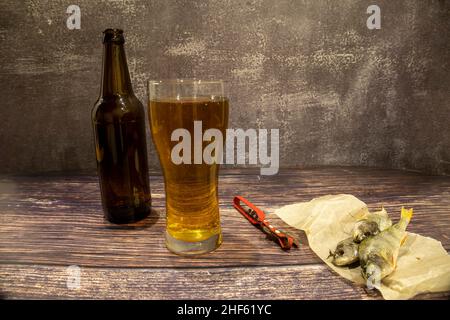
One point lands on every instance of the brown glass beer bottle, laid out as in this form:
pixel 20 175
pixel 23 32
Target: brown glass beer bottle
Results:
pixel 120 145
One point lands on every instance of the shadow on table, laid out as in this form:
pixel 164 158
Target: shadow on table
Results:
pixel 152 219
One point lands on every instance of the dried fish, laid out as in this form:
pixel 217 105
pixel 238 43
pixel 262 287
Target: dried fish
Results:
pixel 346 253
pixel 378 254
pixel 372 224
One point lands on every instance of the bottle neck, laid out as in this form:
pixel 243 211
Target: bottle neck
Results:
pixel 116 78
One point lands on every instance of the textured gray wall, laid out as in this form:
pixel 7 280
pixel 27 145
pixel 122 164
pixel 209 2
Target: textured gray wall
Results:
pixel 339 93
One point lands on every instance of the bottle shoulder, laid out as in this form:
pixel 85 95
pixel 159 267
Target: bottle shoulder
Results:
pixel 114 108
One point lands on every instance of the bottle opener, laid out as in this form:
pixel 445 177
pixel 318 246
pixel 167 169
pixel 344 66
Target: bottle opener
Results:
pixel 257 217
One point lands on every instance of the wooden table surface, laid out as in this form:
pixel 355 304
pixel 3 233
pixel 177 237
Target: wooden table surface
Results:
pixel 48 223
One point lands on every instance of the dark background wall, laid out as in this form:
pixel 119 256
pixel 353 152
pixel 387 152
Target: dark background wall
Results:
pixel 339 93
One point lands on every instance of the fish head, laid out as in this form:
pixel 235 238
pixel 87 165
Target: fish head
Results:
pixel 344 260
pixel 364 229
pixel 346 253
pixel 372 273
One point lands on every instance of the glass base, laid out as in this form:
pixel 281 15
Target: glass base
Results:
pixel 193 248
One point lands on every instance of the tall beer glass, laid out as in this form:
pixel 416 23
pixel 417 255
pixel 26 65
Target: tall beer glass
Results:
pixel 182 114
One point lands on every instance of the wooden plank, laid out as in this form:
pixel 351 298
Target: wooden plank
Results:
pixel 58 220
pixel 293 282
pixel 82 237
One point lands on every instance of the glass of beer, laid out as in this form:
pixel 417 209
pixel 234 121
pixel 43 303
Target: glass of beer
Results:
pixel 188 121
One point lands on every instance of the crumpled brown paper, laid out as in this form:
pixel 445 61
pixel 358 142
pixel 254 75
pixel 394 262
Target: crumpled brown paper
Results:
pixel 423 265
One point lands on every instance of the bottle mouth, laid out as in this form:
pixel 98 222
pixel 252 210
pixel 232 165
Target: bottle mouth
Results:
pixel 113 35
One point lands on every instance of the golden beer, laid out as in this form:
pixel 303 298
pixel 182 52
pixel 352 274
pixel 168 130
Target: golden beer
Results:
pixel 192 205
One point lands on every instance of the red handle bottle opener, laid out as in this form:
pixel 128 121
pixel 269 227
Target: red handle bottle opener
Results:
pixel 257 217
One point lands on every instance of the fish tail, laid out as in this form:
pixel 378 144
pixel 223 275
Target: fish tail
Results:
pixel 407 214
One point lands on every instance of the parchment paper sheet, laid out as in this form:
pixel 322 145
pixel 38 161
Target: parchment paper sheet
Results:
pixel 423 264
